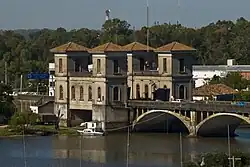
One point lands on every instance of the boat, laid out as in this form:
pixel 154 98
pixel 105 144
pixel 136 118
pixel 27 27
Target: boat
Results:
pixel 90 129
pixel 90 132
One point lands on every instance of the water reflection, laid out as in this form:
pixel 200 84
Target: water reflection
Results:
pixel 145 150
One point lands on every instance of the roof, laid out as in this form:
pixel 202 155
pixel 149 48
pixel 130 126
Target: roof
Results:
pixel 174 46
pixel 69 47
pixel 137 46
pixel 213 90
pixel 233 68
pixel 107 47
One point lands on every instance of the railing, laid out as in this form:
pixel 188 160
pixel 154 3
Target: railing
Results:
pixel 213 107
pixel 147 72
pixel 80 74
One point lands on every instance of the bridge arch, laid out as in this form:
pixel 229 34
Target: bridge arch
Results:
pixel 153 117
pixel 217 124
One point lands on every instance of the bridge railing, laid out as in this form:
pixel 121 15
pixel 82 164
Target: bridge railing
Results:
pixel 213 107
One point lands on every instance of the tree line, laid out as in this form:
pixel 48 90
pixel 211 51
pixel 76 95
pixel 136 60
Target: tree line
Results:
pixel 22 52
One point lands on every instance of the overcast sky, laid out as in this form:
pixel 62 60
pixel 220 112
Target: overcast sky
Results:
pixel 70 14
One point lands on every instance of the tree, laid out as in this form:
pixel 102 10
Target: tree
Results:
pixel 24 119
pixel 233 80
pixel 7 107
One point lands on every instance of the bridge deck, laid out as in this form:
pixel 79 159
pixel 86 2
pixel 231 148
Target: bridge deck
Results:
pixel 194 106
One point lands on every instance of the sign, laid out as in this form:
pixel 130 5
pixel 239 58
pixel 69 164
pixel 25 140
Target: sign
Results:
pixel 38 76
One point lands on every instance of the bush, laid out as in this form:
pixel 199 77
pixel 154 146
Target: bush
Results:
pixel 24 120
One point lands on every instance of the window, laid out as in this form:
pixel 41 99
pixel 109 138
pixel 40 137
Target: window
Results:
pixel 60 66
pixel 60 92
pixel 165 87
pixel 181 92
pixel 90 93
pixel 137 91
pixel 116 93
pixel 73 93
pixel 146 91
pixel 81 93
pixel 142 64
pixel 182 65
pixel 98 66
pixel 99 93
pixel 164 64
pixel 154 87
pixel 116 67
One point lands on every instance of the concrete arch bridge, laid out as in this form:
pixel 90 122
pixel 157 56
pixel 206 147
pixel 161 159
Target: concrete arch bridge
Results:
pixel 194 123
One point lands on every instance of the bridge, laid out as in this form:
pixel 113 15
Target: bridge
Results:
pixel 193 118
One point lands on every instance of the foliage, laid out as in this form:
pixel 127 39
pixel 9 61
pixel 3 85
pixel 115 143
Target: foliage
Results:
pixel 24 119
pixel 233 80
pixel 220 159
pixel 6 106
pixel 28 51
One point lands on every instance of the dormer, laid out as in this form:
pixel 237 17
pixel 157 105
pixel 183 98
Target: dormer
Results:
pixel 109 59
pixel 68 58
pixel 175 59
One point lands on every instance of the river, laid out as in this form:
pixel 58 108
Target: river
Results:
pixel 146 149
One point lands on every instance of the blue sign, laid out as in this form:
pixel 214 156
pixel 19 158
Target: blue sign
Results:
pixel 38 76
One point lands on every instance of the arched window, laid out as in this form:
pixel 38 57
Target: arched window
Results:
pixel 181 92
pixel 73 93
pixel 99 93
pixel 116 93
pixel 60 66
pixel 60 92
pixel 146 91
pixel 81 93
pixel 165 87
pixel 90 93
pixel 137 91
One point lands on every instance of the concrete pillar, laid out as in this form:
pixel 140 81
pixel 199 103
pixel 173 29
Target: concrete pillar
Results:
pixel 137 113
pixel 207 114
pixel 202 117
pixel 193 123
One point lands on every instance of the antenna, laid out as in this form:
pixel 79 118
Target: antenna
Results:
pixel 147 25
pixel 178 10
pixel 107 14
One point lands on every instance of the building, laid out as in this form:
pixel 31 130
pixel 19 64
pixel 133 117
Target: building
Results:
pixel 203 73
pixel 95 84
pixel 51 79
pixel 213 92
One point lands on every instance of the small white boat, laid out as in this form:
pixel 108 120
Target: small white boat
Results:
pixel 90 132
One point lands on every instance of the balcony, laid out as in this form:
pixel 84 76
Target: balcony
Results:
pixel 145 73
pixel 80 74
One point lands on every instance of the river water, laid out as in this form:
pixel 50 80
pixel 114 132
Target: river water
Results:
pixel 146 149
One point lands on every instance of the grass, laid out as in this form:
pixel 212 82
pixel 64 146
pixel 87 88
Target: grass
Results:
pixel 38 130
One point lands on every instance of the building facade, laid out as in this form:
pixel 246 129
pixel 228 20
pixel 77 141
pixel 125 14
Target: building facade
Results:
pixel 51 79
pixel 204 73
pixel 95 84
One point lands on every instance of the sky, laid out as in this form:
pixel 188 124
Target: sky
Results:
pixel 74 14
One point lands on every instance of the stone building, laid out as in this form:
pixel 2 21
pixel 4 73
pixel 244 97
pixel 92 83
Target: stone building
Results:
pixel 118 73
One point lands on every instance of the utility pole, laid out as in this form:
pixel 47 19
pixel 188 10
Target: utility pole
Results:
pixel 181 150
pixel 5 73
pixel 229 143
pixel 21 83
pixel 147 25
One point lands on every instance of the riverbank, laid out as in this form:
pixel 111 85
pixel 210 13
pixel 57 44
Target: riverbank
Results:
pixel 37 130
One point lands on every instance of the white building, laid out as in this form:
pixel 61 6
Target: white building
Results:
pixel 51 79
pixel 203 73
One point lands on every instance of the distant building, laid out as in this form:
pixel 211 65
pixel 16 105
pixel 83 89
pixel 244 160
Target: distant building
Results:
pixel 213 92
pixel 51 79
pixel 203 73
pixel 95 84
